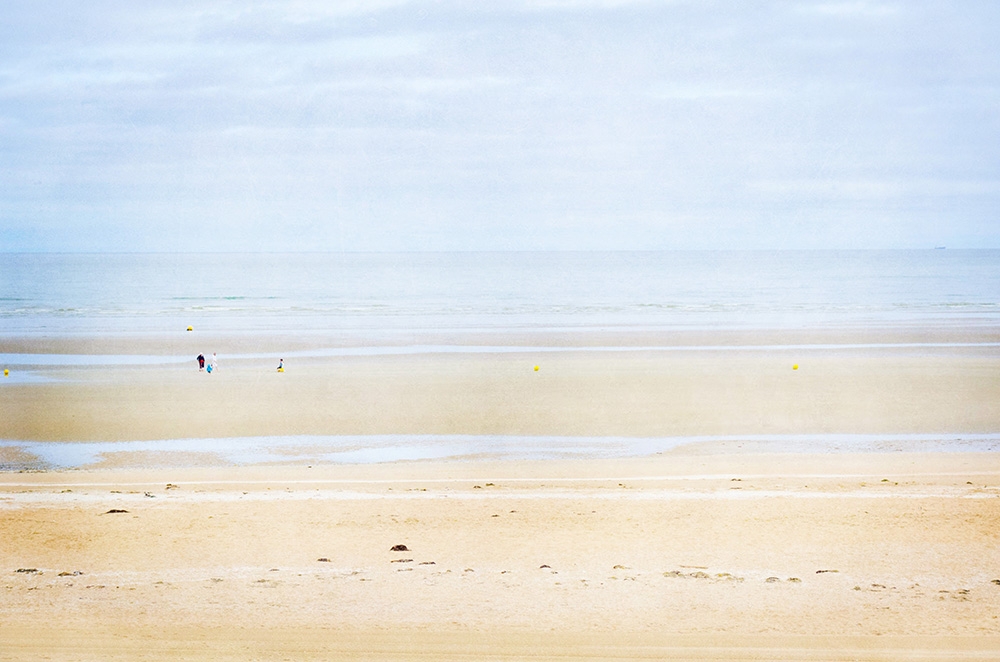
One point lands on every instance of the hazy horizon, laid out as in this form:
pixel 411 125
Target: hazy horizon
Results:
pixel 495 250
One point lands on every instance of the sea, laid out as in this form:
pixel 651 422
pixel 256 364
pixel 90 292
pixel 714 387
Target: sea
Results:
pixel 386 302
pixel 384 292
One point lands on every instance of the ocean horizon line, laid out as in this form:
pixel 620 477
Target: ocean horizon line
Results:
pixel 473 251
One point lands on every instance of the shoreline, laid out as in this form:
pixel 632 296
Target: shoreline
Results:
pixel 178 341
pixel 665 523
pixel 361 450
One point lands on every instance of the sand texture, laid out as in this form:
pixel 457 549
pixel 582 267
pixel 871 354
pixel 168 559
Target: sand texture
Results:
pixel 841 560
pixel 704 551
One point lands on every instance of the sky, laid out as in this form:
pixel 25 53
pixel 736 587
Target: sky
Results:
pixel 555 125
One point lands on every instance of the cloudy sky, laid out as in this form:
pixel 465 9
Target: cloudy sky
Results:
pixel 565 124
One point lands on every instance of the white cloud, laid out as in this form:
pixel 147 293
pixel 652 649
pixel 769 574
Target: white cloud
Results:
pixel 873 188
pixel 512 125
pixel 831 188
pixel 851 9
pixel 702 92
pixel 539 5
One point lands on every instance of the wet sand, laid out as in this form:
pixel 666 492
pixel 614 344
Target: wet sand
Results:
pixel 707 551
pixel 905 383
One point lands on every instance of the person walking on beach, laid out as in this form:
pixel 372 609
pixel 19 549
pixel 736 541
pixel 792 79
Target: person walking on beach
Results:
pixel 201 362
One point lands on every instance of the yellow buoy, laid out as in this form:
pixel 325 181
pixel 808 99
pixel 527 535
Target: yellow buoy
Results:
pixel 6 372
pixel 536 368
pixel 795 366
pixel 190 328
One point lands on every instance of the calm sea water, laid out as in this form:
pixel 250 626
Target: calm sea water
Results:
pixel 73 293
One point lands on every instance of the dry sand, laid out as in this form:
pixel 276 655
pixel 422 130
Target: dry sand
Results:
pixel 703 552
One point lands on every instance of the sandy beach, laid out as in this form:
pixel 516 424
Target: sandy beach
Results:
pixel 710 550
pixel 632 384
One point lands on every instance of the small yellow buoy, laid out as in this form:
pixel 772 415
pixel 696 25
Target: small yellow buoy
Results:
pixel 6 372
pixel 190 328
pixel 795 366
pixel 536 368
